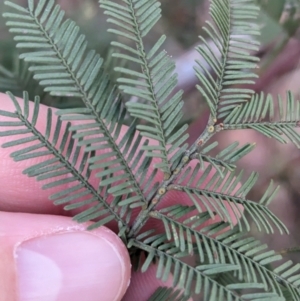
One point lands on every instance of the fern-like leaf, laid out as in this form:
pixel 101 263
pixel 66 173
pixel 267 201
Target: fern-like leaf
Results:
pixel 66 68
pixel 233 34
pixel 170 260
pixel 62 159
pixel 224 158
pixel 259 114
pixel 20 79
pixel 191 234
pixel 219 189
pixel 229 265
pixel 153 84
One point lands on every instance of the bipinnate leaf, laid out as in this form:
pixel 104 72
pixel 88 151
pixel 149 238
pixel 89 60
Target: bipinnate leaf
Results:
pixel 79 143
pixel 77 72
pixel 216 243
pixel 62 163
pixel 153 84
pixel 224 195
pixel 269 117
pixel 196 279
pixel 234 33
pixel 225 158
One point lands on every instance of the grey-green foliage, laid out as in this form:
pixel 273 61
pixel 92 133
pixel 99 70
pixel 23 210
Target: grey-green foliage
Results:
pixel 20 79
pixel 88 144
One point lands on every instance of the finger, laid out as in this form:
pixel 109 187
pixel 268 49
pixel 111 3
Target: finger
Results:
pixel 46 257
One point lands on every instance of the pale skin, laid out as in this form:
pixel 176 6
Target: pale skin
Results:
pixel 30 222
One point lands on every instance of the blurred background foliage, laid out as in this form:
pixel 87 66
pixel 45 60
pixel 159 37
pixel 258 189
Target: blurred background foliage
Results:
pixel 182 22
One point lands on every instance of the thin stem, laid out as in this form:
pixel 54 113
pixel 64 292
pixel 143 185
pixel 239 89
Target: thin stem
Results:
pixel 144 215
pixel 287 251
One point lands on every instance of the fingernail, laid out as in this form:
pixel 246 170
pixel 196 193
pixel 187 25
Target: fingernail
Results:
pixel 71 266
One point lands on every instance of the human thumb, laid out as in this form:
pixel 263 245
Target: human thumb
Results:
pixel 52 258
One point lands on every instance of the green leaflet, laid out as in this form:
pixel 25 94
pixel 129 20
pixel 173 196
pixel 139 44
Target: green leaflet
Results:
pixel 259 114
pixel 77 72
pixel 233 246
pixel 170 261
pixel 233 33
pixel 153 84
pixel 60 159
pixel 231 187
pixel 225 158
